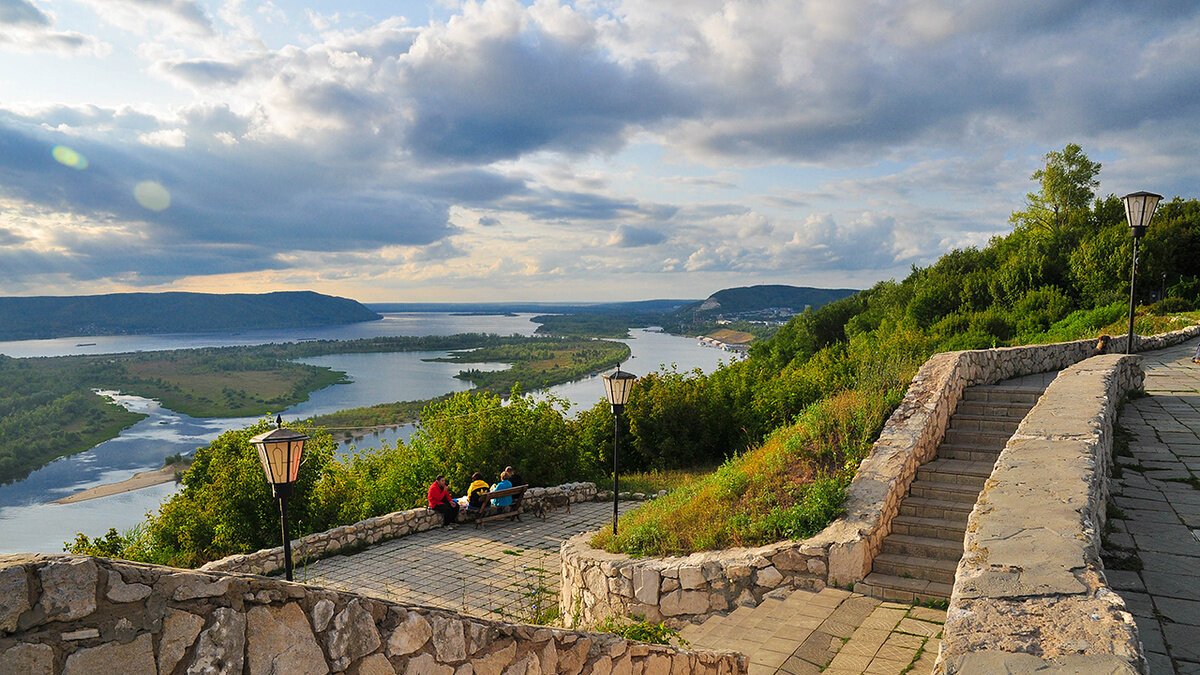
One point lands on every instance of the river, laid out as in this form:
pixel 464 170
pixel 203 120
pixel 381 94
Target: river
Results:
pixel 32 524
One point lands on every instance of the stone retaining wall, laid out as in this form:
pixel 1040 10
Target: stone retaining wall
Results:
pixel 1030 591
pixel 596 584
pixel 374 530
pixel 78 615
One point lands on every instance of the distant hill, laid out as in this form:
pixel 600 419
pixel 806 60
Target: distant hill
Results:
pixel 638 306
pixel 746 299
pixel 148 313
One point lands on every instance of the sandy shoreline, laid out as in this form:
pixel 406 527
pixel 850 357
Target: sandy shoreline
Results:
pixel 140 480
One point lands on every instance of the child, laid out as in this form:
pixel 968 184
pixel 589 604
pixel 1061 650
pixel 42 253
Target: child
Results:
pixel 476 491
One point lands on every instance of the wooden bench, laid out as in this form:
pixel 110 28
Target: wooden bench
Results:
pixel 487 511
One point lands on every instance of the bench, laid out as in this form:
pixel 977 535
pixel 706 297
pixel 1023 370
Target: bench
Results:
pixel 487 511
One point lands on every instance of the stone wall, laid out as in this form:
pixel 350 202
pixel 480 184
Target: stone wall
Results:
pixel 596 584
pixel 1030 591
pixel 374 530
pixel 78 615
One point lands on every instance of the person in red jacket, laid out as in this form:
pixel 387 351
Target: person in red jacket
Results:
pixel 440 501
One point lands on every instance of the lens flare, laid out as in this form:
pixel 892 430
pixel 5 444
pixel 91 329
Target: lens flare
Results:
pixel 69 157
pixel 152 195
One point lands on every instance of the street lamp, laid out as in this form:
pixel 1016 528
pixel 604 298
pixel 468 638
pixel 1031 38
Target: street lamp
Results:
pixel 617 386
pixel 280 451
pixel 1139 209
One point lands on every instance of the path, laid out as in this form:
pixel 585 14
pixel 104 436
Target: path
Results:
pixel 1155 525
pixel 498 572
pixel 509 570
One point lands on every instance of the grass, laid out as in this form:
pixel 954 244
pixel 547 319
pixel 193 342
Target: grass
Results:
pixel 789 487
pixel 651 482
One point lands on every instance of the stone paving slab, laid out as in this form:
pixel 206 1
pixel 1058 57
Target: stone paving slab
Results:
pixel 1158 492
pixel 498 572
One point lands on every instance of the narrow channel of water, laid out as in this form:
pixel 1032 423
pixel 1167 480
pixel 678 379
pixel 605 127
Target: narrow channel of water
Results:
pixel 31 524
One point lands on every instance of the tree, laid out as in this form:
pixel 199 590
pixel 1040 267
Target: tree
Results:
pixel 1069 184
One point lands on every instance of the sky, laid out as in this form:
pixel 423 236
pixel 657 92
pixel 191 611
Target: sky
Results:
pixel 600 150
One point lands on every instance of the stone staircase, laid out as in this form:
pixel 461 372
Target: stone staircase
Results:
pixel 834 631
pixel 920 555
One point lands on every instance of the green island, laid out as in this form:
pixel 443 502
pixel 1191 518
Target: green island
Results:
pixel 50 407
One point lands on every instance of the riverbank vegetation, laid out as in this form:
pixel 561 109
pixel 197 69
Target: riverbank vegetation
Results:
pixel 49 407
pixel 788 425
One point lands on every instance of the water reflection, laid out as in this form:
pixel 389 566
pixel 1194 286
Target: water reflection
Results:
pixel 31 524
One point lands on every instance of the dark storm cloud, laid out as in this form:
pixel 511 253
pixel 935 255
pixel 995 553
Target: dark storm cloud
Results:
pixel 1049 69
pixel 628 236
pixel 22 13
pixel 515 96
pixel 469 186
pixel 226 214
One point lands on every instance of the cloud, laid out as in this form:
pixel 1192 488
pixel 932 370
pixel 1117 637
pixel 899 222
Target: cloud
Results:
pixel 633 237
pixel 22 13
pixel 487 87
pixel 775 137
pixel 25 28
pixel 174 19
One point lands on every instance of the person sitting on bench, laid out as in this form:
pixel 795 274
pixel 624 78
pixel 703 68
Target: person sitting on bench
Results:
pixel 475 492
pixel 514 477
pixel 440 501
pixel 503 502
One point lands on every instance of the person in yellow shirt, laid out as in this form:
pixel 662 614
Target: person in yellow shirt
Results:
pixel 478 487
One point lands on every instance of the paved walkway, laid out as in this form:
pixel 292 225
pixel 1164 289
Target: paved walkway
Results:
pixel 507 570
pixel 835 632
pixel 510 571
pixel 1153 547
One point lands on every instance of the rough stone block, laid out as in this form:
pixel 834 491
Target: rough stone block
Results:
pixel 28 659
pixel 68 589
pixel 113 657
pixel 281 641
pixel 14 588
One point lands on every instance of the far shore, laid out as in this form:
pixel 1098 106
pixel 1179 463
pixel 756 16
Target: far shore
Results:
pixel 140 480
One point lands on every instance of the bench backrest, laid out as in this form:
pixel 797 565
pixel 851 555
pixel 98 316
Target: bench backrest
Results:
pixel 506 492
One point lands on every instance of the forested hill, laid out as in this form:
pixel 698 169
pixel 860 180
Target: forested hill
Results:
pixel 755 298
pixel 147 313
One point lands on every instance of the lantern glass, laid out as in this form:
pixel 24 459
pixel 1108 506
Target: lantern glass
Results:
pixel 618 385
pixel 280 452
pixel 1139 209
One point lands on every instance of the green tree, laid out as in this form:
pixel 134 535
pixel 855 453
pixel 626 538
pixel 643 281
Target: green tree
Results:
pixel 1068 184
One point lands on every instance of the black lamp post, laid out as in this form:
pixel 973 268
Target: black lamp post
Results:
pixel 280 451
pixel 1139 209
pixel 617 386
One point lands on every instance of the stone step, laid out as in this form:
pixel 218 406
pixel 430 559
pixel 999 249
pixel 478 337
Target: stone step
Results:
pixel 994 409
pixel 984 423
pixel 929 569
pixel 952 492
pixel 902 589
pixel 942 509
pixel 985 439
pixel 958 471
pixel 935 528
pixel 927 548
pixel 970 453
pixel 993 394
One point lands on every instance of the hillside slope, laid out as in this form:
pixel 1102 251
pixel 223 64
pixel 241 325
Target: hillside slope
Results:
pixel 146 313
pixel 755 298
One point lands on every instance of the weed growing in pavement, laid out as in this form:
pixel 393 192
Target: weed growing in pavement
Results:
pixel 538 602
pixel 638 628
pixel 935 603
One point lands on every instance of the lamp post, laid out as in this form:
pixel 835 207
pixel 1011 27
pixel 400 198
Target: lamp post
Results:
pixel 1139 209
pixel 280 451
pixel 617 386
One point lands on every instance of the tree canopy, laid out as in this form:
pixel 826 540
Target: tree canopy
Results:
pixel 1068 185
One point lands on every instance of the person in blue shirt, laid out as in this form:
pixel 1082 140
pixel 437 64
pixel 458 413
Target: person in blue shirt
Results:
pixel 504 484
